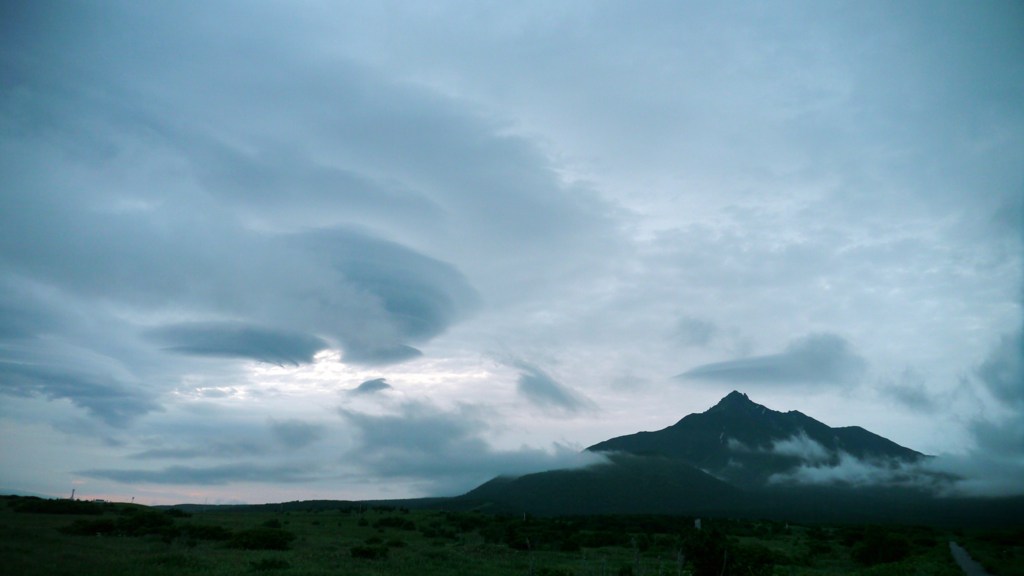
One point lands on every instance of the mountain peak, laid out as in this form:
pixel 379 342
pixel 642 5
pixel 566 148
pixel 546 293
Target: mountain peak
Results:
pixel 735 396
pixel 734 400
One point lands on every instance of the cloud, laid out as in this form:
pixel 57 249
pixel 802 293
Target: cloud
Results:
pixel 803 447
pixel 995 465
pixel 444 449
pixel 373 297
pixel 909 389
pixel 300 179
pixel 542 390
pixel 850 470
pixel 696 332
pixel 208 475
pixel 294 434
pixel 814 359
pixel 977 474
pixel 213 449
pixel 799 446
pixel 1002 371
pixel 238 340
pixel 101 385
pixel 372 386
pixel 416 297
pixel 973 475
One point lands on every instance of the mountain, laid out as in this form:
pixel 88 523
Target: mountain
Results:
pixel 751 446
pixel 740 459
pixel 625 484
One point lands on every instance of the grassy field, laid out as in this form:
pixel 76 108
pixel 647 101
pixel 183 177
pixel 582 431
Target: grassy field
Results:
pixel 50 537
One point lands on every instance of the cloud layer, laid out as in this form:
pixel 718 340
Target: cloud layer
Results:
pixel 814 359
pixel 444 450
pixel 249 211
pixel 544 391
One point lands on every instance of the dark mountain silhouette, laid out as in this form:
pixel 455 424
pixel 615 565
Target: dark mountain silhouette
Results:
pixel 750 445
pixel 626 484
pixel 740 459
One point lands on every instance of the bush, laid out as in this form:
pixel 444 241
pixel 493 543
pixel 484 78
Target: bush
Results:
pixel 90 527
pixel 205 532
pixel 370 552
pixel 544 571
pixel 262 538
pixel 880 547
pixel 33 505
pixel 134 524
pixel 395 522
pixel 270 564
pixel 144 522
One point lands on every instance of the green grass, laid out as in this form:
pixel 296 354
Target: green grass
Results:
pixel 382 542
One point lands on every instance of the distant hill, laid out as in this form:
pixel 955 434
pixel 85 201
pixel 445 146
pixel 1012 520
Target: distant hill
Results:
pixel 740 459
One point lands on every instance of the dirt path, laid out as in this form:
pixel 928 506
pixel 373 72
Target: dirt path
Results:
pixel 967 564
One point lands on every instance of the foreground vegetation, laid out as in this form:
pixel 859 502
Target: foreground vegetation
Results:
pixel 56 537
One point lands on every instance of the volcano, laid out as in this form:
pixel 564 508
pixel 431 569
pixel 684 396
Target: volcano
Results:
pixel 751 446
pixel 742 459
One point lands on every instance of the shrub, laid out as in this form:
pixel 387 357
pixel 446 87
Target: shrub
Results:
pixel 879 548
pixel 262 538
pixel 395 522
pixel 205 532
pixel 91 527
pixel 751 560
pixel 33 505
pixel 545 571
pixel 269 564
pixel 370 552
pixel 143 522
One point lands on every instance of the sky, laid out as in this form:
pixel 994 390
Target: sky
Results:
pixel 274 251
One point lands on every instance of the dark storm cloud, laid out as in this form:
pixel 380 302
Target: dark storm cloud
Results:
pixel 818 358
pixel 372 386
pixel 237 340
pixel 444 449
pixel 208 475
pixel 542 390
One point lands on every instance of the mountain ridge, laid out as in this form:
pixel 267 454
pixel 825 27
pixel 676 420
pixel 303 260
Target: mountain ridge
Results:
pixel 748 444
pixel 741 459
